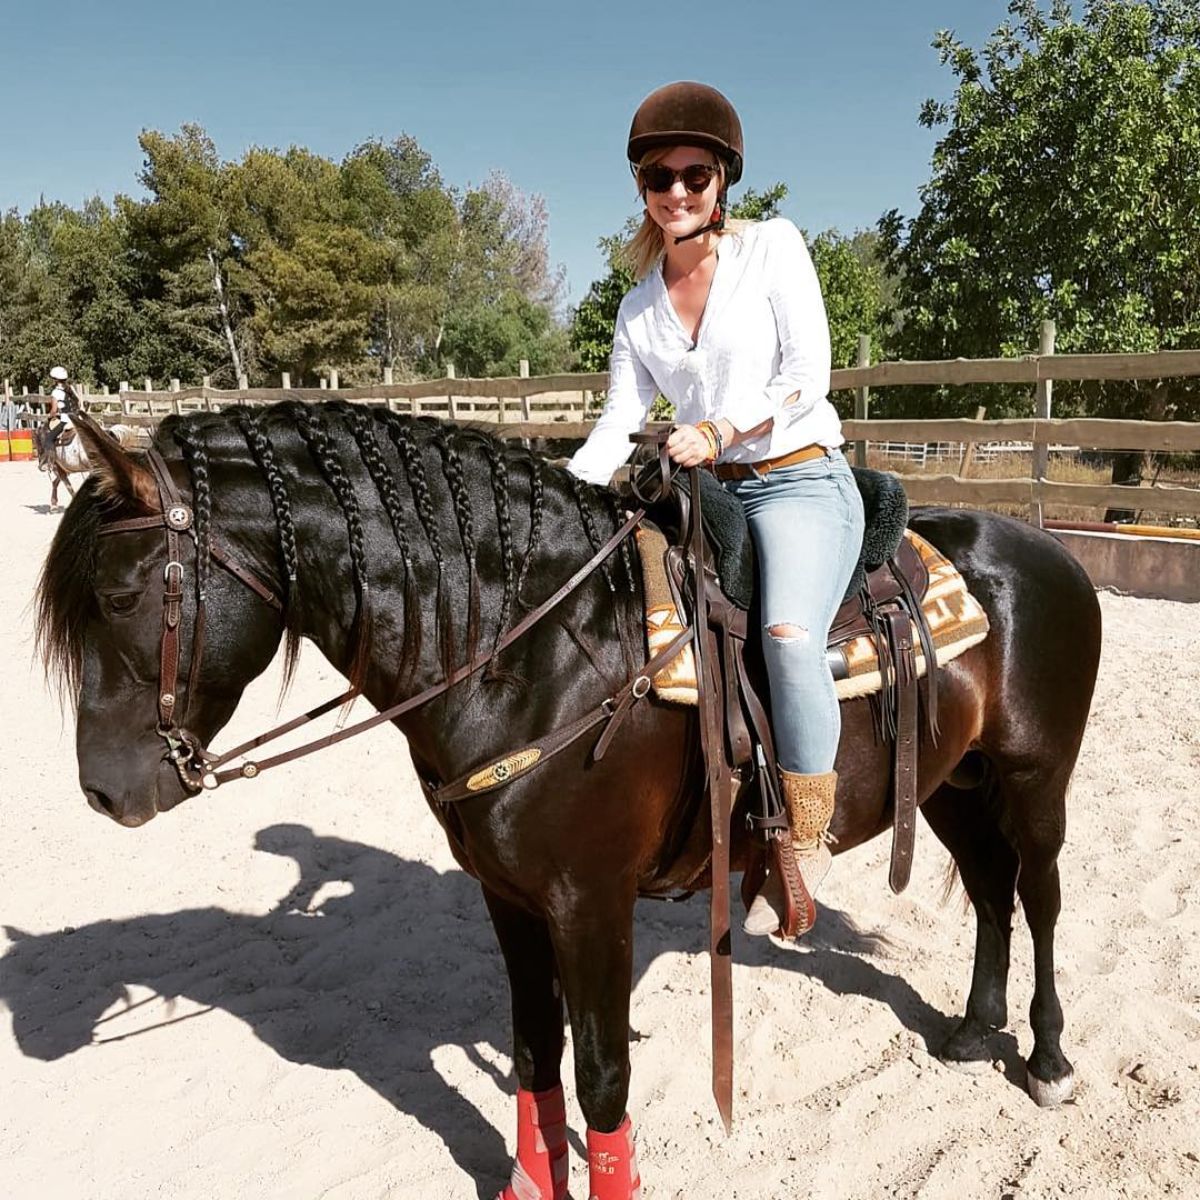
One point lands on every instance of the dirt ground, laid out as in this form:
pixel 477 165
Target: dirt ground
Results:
pixel 288 990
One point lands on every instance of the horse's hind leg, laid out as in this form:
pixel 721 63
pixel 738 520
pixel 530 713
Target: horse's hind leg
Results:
pixel 1035 801
pixel 541 1166
pixel 966 822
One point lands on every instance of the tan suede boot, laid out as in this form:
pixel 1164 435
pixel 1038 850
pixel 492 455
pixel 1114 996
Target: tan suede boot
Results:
pixel 810 803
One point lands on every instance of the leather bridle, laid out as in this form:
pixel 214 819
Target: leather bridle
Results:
pixel 198 768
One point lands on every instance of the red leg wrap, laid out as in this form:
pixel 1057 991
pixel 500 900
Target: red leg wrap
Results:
pixel 540 1172
pixel 612 1164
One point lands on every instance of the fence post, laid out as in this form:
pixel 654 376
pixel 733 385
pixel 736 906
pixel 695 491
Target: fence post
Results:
pixel 174 385
pixel 1042 401
pixel 526 406
pixel 7 387
pixel 285 380
pixel 862 399
pixel 964 463
pixel 243 383
pixel 451 373
pixel 324 382
pixel 149 384
pixel 388 375
pixel 1045 388
pixel 206 382
pixel 333 378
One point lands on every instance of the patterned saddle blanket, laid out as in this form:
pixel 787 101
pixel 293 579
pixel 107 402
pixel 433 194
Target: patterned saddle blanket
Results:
pixel 956 620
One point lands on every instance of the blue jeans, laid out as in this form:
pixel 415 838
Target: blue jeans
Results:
pixel 807 525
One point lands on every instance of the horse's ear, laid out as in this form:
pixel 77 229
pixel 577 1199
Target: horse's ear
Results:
pixel 120 474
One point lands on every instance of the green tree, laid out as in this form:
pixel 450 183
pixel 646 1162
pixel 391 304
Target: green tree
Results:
pixel 35 327
pixel 492 338
pixel 852 283
pixel 90 262
pixel 1066 185
pixel 395 195
pixel 593 322
pixel 302 265
pixel 184 253
pixel 501 286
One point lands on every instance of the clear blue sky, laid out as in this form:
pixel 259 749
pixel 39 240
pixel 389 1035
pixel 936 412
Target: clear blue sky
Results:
pixel 828 92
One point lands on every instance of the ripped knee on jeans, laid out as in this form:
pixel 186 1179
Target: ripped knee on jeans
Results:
pixel 785 632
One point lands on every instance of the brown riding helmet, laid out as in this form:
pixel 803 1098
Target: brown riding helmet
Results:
pixel 688 114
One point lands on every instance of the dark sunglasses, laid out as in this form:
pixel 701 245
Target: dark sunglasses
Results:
pixel 657 178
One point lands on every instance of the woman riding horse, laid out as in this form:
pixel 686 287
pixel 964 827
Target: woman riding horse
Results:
pixel 730 326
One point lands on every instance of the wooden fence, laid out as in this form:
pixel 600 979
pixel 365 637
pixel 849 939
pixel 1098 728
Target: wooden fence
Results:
pixel 522 399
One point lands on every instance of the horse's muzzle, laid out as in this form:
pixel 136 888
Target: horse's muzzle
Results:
pixel 134 809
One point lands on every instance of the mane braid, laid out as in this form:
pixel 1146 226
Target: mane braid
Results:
pixel 537 497
pixel 311 426
pixel 263 452
pixel 498 469
pixel 452 469
pixel 618 518
pixel 195 453
pixel 362 426
pixel 414 467
pixel 582 493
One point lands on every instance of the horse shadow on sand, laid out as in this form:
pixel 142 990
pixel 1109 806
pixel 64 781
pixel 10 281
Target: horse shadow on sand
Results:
pixel 371 963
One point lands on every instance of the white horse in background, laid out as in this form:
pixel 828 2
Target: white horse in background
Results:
pixel 71 458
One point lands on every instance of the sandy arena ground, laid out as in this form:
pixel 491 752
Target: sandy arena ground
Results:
pixel 288 990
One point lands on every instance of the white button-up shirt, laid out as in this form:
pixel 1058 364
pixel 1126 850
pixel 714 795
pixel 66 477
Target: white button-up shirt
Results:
pixel 763 338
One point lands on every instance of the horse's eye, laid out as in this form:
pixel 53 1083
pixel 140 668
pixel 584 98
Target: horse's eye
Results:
pixel 122 604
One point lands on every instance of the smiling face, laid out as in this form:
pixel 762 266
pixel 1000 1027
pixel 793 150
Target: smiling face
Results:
pixel 678 211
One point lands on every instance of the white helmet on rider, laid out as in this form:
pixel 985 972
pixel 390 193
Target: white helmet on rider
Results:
pixel 59 373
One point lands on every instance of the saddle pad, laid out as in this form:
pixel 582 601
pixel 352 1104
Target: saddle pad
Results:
pixel 956 620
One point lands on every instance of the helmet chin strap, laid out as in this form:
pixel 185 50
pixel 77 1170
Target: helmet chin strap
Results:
pixel 718 223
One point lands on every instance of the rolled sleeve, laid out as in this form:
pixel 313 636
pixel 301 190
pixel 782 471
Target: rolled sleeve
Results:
pixel 631 393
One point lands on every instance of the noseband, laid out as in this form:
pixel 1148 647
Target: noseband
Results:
pixel 198 768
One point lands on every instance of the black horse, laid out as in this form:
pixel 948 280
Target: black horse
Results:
pixel 401 547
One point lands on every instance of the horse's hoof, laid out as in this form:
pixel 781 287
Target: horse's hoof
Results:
pixel 1052 1094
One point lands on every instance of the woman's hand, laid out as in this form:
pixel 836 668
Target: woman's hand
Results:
pixel 688 446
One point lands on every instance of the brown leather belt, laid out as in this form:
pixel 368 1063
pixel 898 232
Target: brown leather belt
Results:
pixel 738 470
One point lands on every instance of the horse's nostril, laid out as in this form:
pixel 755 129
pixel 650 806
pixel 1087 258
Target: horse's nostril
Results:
pixel 100 802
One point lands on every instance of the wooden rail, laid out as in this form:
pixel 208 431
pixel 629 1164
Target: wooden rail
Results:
pixel 489 399
pixel 1164 364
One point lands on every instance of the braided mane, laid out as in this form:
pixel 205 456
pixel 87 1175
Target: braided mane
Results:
pixel 369 459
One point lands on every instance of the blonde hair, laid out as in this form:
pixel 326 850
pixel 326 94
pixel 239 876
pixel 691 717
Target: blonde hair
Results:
pixel 644 251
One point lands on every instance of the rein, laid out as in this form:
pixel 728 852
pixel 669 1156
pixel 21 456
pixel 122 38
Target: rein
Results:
pixel 198 768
